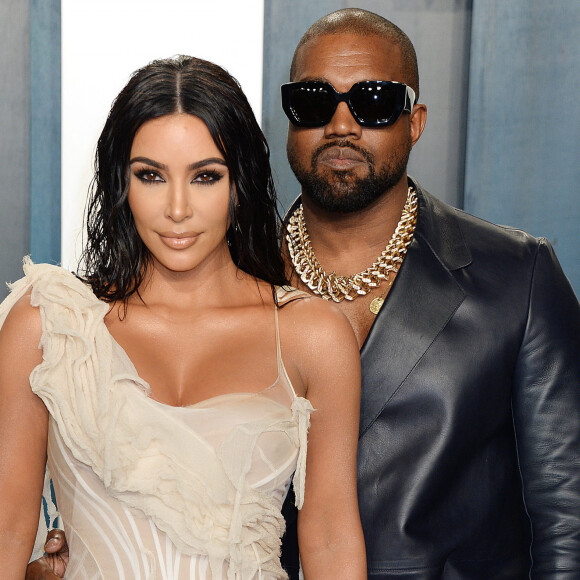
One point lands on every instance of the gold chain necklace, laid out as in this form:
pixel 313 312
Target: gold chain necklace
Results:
pixel 338 288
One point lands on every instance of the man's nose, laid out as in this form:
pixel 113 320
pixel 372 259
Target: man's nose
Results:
pixel 342 123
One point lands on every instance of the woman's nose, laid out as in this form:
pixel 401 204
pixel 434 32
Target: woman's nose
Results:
pixel 179 204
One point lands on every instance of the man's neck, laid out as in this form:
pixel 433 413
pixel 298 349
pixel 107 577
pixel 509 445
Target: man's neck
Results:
pixel 350 243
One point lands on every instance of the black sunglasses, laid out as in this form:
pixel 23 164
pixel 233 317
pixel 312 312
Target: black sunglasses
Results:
pixel 372 103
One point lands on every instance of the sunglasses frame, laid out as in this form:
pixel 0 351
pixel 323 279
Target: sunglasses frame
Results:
pixel 337 98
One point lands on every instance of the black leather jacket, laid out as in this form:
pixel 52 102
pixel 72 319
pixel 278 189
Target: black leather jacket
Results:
pixel 469 449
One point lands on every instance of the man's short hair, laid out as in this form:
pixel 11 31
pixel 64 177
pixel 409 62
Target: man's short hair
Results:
pixel 364 23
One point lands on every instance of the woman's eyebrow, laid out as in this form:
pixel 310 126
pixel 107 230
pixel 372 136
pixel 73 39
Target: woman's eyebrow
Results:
pixel 196 165
pixel 148 162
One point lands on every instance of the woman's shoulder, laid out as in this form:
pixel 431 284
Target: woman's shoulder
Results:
pixel 51 275
pixel 20 353
pixel 20 327
pixel 318 344
pixel 22 321
pixel 49 288
pixel 312 317
pixel 55 284
pixel 17 311
pixel 43 276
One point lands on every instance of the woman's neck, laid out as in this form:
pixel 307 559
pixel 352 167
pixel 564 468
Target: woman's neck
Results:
pixel 207 285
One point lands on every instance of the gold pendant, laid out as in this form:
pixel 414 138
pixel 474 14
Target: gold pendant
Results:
pixel 376 305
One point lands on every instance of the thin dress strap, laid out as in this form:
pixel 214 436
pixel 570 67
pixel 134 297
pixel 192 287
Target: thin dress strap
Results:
pixel 301 407
pixel 281 368
pixel 285 295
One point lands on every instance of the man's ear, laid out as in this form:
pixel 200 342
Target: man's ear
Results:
pixel 417 120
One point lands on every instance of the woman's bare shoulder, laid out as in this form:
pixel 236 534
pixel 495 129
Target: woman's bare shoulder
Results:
pixel 23 322
pixel 315 319
pixel 20 338
pixel 320 348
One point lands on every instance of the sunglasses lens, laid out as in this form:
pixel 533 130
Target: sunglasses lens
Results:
pixel 372 103
pixel 312 105
pixel 377 104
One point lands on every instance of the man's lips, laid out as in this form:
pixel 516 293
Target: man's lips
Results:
pixel 178 241
pixel 341 158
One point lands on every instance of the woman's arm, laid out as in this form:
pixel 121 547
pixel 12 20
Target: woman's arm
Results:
pixel 23 436
pixel 329 530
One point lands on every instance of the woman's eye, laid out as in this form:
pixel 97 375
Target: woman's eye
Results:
pixel 208 177
pixel 148 176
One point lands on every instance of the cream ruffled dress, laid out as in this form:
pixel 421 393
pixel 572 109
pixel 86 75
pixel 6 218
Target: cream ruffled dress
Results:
pixel 147 490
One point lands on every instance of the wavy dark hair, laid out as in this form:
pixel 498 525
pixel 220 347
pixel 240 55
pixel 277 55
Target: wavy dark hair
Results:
pixel 115 260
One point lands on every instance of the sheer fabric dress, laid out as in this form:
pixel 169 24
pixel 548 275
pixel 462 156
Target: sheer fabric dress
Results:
pixel 150 491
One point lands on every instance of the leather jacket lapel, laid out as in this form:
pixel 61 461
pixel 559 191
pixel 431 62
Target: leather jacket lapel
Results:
pixel 423 299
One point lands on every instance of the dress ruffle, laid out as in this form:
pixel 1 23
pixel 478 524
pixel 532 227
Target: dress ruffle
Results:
pixel 102 411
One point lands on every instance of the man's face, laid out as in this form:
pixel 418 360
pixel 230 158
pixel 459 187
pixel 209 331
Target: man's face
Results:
pixel 342 166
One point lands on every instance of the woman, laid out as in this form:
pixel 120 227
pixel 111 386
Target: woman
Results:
pixel 175 380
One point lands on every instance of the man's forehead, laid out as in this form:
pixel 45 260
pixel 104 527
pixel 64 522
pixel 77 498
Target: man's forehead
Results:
pixel 348 58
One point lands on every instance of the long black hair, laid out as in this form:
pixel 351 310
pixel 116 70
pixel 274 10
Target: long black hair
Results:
pixel 115 260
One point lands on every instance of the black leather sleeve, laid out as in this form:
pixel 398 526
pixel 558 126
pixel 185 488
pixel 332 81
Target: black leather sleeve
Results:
pixel 546 412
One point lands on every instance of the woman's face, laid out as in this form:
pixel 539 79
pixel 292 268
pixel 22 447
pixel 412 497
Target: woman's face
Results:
pixel 179 192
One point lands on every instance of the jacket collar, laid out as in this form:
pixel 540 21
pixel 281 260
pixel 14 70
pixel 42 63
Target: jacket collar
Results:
pixel 439 228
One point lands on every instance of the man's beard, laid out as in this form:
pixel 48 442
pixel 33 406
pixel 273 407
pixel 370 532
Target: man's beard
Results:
pixel 344 192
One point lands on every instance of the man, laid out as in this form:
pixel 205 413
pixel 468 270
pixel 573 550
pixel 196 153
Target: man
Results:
pixel 470 333
pixel 470 414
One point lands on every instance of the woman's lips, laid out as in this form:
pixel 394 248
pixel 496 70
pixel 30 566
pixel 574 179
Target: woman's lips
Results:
pixel 177 241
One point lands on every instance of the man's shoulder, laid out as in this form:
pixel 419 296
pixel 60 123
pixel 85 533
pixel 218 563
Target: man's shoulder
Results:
pixel 445 227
